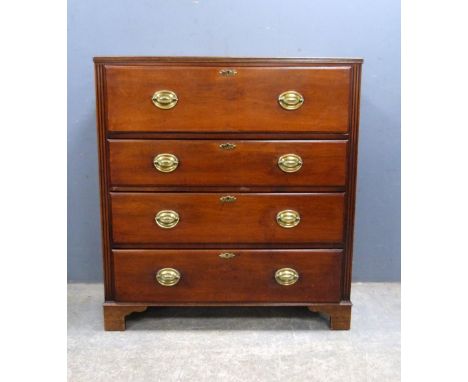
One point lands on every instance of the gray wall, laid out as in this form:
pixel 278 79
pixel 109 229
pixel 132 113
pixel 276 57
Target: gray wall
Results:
pixel 358 28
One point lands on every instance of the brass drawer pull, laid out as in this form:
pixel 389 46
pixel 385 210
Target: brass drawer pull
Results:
pixel 168 276
pixel 165 162
pixel 286 276
pixel 290 162
pixel 291 100
pixel 165 99
pixel 288 218
pixel 227 255
pixel 167 219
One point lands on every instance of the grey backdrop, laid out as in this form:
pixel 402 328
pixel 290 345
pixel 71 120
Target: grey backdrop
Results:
pixel 358 28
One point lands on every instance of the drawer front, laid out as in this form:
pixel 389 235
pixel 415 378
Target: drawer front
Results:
pixel 227 163
pixel 201 99
pixel 248 276
pixel 145 218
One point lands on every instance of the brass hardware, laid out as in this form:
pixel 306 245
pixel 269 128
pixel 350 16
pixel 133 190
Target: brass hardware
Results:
pixel 165 162
pixel 288 218
pixel 290 162
pixel 168 276
pixel 167 219
pixel 227 255
pixel 228 72
pixel 290 100
pixel 286 276
pixel 228 199
pixel 165 99
pixel 227 146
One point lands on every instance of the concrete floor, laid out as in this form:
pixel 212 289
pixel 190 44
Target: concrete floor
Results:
pixel 236 344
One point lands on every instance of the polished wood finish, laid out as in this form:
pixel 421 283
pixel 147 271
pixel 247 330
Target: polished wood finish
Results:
pixel 242 109
pixel 114 315
pixel 205 219
pixel 240 61
pixel 249 163
pixel 209 101
pixel 103 180
pixel 339 315
pixel 247 277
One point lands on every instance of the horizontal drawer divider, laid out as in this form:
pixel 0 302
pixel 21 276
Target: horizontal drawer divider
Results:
pixel 224 135
pixel 220 189
pixel 231 246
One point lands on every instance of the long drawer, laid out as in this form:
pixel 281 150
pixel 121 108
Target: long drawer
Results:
pixel 227 163
pixel 179 276
pixel 232 99
pixel 145 218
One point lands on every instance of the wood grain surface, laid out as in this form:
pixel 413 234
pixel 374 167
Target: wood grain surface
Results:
pixel 249 163
pixel 208 101
pixel 205 219
pixel 247 277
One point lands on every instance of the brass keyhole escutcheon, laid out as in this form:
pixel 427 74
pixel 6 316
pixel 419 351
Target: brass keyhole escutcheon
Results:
pixel 286 276
pixel 168 276
pixel 290 162
pixel 227 146
pixel 227 255
pixel 165 162
pixel 165 99
pixel 291 100
pixel 228 72
pixel 288 218
pixel 167 219
pixel 227 199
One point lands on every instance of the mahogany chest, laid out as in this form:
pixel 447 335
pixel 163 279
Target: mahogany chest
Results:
pixel 227 181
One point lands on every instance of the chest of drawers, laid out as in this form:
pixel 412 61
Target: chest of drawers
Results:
pixel 227 181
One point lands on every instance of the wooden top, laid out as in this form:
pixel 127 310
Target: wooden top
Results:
pixel 252 60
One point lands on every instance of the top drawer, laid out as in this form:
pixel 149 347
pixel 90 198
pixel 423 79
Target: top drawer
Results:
pixel 227 99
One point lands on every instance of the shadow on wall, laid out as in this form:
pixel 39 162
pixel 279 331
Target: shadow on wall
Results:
pixel 378 215
pixel 84 222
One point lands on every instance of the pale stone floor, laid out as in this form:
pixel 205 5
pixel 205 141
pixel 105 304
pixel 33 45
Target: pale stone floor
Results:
pixel 236 344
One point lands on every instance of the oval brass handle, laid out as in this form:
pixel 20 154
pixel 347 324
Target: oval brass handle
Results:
pixel 286 276
pixel 165 162
pixel 168 276
pixel 290 100
pixel 288 218
pixel 290 162
pixel 167 219
pixel 165 99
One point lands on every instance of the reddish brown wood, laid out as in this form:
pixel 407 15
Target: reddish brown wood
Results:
pixel 250 163
pixel 208 61
pixel 114 315
pixel 339 315
pixel 247 277
pixel 205 219
pixel 229 189
pixel 335 85
pixel 211 102
pixel 280 135
pixel 299 245
pixel 351 183
pixel 103 179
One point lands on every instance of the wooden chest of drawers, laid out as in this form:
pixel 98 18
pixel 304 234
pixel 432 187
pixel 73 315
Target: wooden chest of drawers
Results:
pixel 227 181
